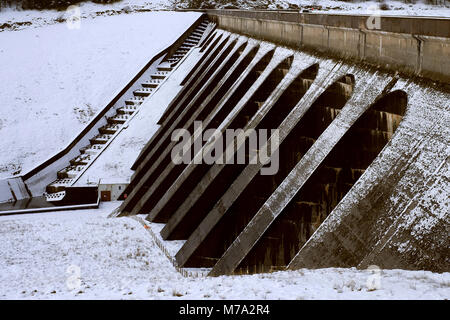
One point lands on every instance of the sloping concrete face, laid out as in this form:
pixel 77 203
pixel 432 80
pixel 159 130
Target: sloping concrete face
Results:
pixel 397 214
pixel 360 157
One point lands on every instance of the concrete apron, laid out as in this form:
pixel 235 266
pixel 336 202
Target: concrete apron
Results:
pixel 328 73
pixel 266 215
pixel 300 63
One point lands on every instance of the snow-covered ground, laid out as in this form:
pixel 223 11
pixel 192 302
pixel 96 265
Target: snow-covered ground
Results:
pixel 55 79
pixel 85 255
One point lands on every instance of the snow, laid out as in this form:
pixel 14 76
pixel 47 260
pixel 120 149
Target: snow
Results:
pixel 85 255
pixel 59 78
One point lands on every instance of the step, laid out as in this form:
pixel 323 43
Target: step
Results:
pixel 82 159
pixel 188 41
pixel 160 74
pixel 173 60
pixel 144 92
pixel 62 174
pixel 128 109
pixel 100 139
pixel 198 34
pixel 184 47
pixel 195 38
pixel 183 51
pixel 134 101
pixel 163 67
pixel 109 128
pixel 92 149
pixel 58 185
pixel 119 118
pixel 70 172
pixel 178 56
pixel 151 83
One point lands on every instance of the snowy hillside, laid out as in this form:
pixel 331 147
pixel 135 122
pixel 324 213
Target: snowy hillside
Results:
pixel 55 79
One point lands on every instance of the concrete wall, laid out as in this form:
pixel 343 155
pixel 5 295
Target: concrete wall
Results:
pixel 13 189
pixel 427 26
pixel 397 215
pixel 415 46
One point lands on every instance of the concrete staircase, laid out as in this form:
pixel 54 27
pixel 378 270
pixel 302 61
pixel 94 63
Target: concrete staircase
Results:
pixel 67 176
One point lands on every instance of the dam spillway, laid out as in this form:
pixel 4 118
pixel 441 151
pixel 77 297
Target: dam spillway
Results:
pixel 362 149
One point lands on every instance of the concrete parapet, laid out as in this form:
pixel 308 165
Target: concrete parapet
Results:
pixel 415 46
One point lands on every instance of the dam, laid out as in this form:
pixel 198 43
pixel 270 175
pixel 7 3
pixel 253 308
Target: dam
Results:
pixel 361 118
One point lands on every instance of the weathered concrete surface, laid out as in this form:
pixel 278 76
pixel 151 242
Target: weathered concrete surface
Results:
pixel 412 45
pixel 396 216
pixel 328 73
pixel 429 26
pixel 364 93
